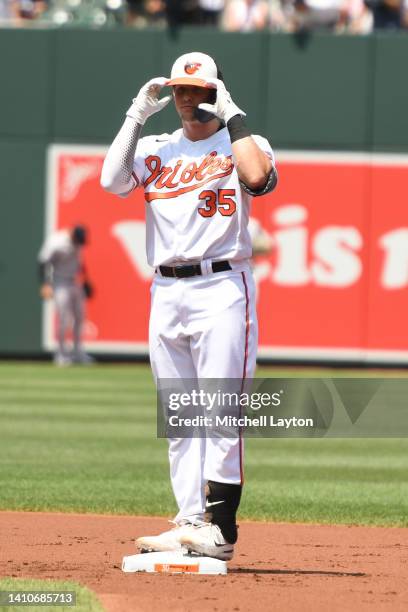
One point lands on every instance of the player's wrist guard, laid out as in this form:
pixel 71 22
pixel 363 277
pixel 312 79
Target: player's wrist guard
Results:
pixel 237 128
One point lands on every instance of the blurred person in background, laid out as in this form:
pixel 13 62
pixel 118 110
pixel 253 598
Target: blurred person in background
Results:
pixel 246 15
pixel 359 18
pixel 333 15
pixel 155 12
pixel 63 278
pixel 182 12
pixel 404 17
pixel 387 14
pixel 31 9
pixel 18 12
pixel 9 13
pixel 134 13
pixel 211 12
pixel 280 12
pixel 146 13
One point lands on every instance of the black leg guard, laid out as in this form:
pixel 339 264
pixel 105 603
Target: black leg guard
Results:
pixel 221 507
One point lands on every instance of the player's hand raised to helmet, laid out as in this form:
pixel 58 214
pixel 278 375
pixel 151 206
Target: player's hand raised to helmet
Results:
pixel 224 108
pixel 147 101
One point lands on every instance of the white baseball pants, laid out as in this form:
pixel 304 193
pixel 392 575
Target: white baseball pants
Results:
pixel 203 327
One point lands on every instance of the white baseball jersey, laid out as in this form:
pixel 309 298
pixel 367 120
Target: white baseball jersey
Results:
pixel 196 207
pixel 63 255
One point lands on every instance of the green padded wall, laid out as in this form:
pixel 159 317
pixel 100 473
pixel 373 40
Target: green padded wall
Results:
pixel 21 233
pixel 390 95
pixel 318 92
pixel 96 76
pixel 25 84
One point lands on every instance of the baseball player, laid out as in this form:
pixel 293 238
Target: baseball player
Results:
pixel 61 273
pixel 198 184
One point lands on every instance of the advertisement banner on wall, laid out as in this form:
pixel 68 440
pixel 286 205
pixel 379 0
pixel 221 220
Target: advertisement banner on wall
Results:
pixel 334 285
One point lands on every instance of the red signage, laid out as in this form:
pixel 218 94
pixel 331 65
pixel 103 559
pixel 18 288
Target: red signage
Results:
pixel 334 285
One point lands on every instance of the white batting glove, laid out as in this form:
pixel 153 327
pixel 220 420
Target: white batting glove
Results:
pixel 147 101
pixel 224 108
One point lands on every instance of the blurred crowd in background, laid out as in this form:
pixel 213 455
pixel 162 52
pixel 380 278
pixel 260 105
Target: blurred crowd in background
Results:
pixel 337 16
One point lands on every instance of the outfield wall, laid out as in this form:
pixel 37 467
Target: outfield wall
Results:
pixel 321 93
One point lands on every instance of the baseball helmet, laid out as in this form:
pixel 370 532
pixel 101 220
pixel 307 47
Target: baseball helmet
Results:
pixel 193 68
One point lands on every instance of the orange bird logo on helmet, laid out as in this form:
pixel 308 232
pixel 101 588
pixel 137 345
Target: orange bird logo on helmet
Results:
pixel 191 68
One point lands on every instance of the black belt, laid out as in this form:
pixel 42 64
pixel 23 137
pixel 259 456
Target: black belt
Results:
pixel 192 269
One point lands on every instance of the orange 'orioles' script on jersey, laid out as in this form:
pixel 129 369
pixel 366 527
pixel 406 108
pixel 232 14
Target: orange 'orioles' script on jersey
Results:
pixel 211 168
pixel 196 207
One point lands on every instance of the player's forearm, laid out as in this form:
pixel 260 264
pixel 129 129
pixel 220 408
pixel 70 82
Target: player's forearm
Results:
pixel 117 172
pixel 252 164
pixel 116 176
pixel 255 169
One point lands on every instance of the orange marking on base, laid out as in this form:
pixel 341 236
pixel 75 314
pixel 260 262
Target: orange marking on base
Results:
pixel 176 568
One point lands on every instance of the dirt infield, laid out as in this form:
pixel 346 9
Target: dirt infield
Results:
pixel 276 567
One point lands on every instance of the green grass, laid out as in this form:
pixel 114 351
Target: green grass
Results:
pixel 84 440
pixel 86 600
